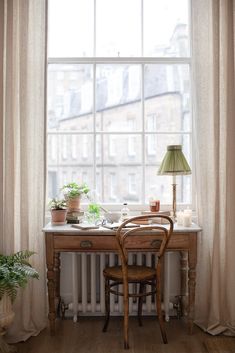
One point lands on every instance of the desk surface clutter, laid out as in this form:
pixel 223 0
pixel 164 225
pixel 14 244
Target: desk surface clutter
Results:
pixel 69 228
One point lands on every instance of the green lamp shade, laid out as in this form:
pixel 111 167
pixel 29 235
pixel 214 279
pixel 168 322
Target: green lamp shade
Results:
pixel 174 162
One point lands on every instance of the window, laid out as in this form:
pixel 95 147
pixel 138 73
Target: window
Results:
pixel 131 148
pixel 151 139
pixel 119 93
pixel 112 186
pixel 132 184
pixel 74 146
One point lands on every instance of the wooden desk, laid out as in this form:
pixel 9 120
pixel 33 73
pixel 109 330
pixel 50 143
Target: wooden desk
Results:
pixel 67 239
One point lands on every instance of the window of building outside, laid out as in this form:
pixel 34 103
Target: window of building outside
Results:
pixel 118 93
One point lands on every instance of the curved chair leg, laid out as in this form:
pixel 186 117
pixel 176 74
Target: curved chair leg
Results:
pixel 126 314
pixel 160 316
pixel 140 303
pixel 107 305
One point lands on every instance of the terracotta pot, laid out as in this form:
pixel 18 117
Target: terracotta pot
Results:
pixel 58 216
pixel 74 204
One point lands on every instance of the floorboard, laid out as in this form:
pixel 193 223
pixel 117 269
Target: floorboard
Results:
pixel 86 336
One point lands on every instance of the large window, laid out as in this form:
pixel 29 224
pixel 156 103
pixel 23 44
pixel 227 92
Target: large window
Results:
pixel 118 94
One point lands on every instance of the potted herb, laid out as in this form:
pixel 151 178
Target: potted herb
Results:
pixel 73 192
pixel 15 271
pixel 93 212
pixel 58 209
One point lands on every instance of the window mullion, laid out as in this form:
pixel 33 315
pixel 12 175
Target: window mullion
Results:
pixel 94 126
pixel 142 28
pixel 118 60
pixel 94 30
pixel 143 135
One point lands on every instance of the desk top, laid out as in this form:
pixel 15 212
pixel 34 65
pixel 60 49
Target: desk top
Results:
pixel 67 228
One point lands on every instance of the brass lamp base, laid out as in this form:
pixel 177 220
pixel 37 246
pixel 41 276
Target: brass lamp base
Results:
pixel 174 201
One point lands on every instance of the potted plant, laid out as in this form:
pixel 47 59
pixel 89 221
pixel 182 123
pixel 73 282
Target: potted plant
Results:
pixel 73 192
pixel 58 211
pixel 15 271
pixel 93 212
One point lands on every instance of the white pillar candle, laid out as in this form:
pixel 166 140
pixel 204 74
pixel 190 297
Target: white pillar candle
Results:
pixel 188 213
pixel 187 218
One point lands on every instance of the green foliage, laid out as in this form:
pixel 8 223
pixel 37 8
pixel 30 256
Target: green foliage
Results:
pixel 56 204
pixel 15 271
pixel 94 208
pixel 93 213
pixel 73 189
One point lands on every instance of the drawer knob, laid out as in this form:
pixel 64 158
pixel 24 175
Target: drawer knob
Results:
pixel 86 244
pixel 156 243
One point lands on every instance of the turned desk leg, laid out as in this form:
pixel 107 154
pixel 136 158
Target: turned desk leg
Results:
pixel 192 262
pixel 51 281
pixel 57 280
pixel 183 282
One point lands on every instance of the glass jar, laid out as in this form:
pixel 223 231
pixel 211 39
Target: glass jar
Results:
pixel 125 212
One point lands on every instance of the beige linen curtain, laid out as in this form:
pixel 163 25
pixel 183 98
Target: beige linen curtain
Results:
pixel 213 77
pixel 22 150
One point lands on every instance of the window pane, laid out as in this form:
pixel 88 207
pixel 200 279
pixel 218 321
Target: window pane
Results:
pixel 70 28
pixel 166 28
pixel 118 28
pixel 156 146
pixel 122 149
pixel 70 158
pixel 70 97
pixel 122 184
pixel 167 98
pixel 118 98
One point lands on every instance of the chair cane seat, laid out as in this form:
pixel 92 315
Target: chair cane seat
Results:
pixel 135 273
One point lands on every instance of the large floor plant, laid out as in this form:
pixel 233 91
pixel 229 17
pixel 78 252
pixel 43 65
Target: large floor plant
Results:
pixel 15 271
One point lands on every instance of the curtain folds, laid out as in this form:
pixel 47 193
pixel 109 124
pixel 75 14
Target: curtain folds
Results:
pixel 22 151
pixel 214 80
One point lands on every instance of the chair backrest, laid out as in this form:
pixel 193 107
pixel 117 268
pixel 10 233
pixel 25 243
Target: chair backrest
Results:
pixel 153 234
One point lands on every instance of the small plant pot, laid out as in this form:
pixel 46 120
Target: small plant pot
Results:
pixel 58 217
pixel 74 204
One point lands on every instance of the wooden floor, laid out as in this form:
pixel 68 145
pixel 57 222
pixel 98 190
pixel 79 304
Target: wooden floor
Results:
pixel 86 336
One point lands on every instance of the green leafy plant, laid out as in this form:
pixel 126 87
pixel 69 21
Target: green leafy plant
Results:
pixel 94 209
pixel 15 271
pixel 93 212
pixel 56 204
pixel 73 189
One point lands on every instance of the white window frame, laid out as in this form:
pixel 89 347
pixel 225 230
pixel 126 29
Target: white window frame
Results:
pixel 142 61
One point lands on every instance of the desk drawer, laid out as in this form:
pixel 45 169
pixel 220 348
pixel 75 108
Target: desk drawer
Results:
pixel 108 243
pixel 84 243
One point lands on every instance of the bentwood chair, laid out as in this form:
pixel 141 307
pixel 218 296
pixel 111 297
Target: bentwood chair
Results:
pixel 156 236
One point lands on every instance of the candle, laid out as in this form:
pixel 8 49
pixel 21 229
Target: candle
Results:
pixel 187 218
pixel 188 212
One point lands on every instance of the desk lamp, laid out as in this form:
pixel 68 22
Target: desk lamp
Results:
pixel 174 163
